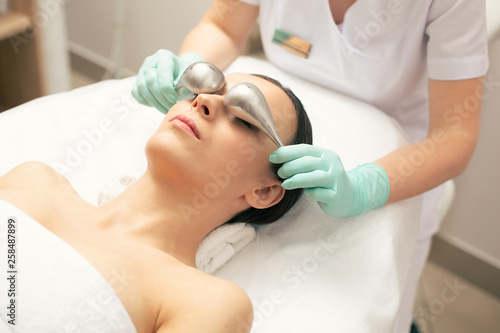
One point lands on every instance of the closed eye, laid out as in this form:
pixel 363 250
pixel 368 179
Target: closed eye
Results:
pixel 246 123
pixel 243 122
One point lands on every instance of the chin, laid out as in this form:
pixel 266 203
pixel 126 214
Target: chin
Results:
pixel 168 156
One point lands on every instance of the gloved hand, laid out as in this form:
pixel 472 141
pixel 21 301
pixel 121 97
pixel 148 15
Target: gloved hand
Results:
pixel 321 173
pixel 157 77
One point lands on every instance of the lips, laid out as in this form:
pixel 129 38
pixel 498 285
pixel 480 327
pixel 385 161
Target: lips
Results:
pixel 186 123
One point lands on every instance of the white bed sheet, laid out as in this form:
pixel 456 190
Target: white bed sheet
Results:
pixel 305 273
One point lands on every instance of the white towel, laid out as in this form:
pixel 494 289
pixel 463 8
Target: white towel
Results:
pixel 217 248
pixel 222 244
pixel 54 288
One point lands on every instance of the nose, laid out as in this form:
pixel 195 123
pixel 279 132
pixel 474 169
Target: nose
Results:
pixel 208 105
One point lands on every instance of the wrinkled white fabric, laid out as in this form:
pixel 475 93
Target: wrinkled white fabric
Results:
pixel 56 288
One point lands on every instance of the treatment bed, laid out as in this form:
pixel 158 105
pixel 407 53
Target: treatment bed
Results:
pixel 305 273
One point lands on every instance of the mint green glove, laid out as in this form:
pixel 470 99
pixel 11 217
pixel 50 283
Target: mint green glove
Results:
pixel 158 76
pixel 321 173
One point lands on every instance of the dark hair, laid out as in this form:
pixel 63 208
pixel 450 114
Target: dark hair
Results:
pixel 303 134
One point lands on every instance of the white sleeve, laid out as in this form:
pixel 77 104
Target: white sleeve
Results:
pixel 457 46
pixel 251 2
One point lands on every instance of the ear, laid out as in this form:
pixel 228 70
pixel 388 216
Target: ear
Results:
pixel 265 196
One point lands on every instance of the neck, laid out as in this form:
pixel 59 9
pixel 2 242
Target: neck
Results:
pixel 163 216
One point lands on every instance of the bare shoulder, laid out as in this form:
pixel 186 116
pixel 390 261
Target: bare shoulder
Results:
pixel 211 305
pixel 33 175
pixel 231 304
pixel 38 190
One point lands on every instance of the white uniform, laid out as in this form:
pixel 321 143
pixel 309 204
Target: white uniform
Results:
pixel 383 53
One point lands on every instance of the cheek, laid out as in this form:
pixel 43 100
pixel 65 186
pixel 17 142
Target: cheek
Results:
pixel 252 155
pixel 167 152
pixel 159 151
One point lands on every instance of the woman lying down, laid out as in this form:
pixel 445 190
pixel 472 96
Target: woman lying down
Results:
pixel 142 244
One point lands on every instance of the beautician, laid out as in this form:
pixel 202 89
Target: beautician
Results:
pixel 422 62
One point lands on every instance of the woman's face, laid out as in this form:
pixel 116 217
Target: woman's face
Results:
pixel 204 147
